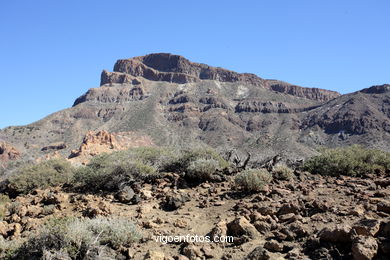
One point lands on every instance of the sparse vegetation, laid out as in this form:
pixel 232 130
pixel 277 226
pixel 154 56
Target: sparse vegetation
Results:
pixel 282 172
pixel 113 171
pixel 253 180
pixel 75 237
pixel 49 173
pixel 353 161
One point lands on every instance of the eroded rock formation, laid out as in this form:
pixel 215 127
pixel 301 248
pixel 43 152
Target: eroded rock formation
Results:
pixel 95 143
pixel 177 69
pixel 8 152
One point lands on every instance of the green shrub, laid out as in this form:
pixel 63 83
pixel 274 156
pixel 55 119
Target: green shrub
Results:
pixel 4 200
pixel 76 236
pixel 202 169
pixel 253 180
pixel 43 175
pixel 282 172
pixel 188 156
pixel 353 161
pixel 112 171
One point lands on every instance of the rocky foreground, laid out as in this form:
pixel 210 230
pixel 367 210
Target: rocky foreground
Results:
pixel 307 217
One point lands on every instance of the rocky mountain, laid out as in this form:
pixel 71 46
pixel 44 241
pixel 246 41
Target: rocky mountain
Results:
pixel 165 99
pixel 177 69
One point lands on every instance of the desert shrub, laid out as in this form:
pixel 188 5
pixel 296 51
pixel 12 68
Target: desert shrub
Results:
pixel 282 172
pixel 353 161
pixel 42 175
pixel 8 248
pixel 202 169
pixel 48 209
pixel 76 236
pixel 187 156
pixel 4 200
pixel 112 171
pixel 253 180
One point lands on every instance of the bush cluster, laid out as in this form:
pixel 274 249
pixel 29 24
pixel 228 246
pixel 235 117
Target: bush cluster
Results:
pixel 353 161
pixel 253 180
pixel 112 172
pixel 282 172
pixel 111 175
pixel 4 200
pixel 202 169
pixel 188 156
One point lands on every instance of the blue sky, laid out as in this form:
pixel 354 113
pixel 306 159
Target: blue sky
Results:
pixel 51 52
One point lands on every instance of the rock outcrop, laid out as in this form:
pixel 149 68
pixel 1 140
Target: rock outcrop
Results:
pixel 95 143
pixel 177 69
pixel 309 93
pixel 8 152
pixel 269 107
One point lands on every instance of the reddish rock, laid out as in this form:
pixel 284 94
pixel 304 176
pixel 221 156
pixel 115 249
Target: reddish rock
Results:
pixel 8 152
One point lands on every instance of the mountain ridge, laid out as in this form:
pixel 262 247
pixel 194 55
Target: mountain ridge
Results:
pixel 182 103
pixel 177 69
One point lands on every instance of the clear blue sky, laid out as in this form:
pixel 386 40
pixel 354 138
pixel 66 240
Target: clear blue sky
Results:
pixel 51 52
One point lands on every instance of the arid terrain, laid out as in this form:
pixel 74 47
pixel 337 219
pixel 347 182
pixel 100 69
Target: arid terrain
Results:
pixel 306 217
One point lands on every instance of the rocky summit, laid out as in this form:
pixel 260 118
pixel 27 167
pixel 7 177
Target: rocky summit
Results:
pixel 170 100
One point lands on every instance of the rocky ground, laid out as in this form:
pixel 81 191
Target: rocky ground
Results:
pixel 309 217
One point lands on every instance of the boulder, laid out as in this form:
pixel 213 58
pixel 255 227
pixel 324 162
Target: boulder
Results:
pixel 259 253
pixel 154 255
pixel 240 227
pixel 192 251
pixel 338 234
pixel 384 206
pixel 273 246
pixel 364 248
pixel 367 227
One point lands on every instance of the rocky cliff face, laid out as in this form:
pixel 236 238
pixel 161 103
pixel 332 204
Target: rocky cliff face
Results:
pixel 177 69
pixel 8 153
